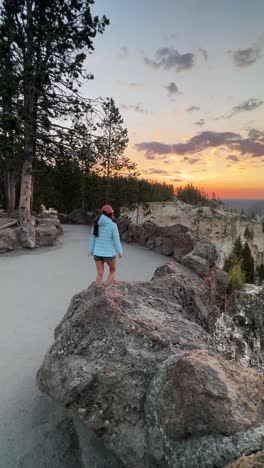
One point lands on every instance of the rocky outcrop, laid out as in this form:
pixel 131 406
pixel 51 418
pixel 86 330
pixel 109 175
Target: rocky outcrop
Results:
pixel 239 333
pixel 8 240
pixel 219 226
pixel 142 367
pixel 42 231
pixel 173 241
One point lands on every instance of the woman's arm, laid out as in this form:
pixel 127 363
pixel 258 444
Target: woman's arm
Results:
pixel 116 240
pixel 92 243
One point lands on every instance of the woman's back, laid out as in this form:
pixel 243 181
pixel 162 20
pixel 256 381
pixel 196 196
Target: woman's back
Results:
pixel 107 243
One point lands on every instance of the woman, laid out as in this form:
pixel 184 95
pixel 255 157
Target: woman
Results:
pixel 105 242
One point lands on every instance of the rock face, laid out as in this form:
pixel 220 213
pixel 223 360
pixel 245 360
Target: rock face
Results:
pixel 173 241
pixel 220 226
pixel 8 240
pixel 240 332
pixel 141 365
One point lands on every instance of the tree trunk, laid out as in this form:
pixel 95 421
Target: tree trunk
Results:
pixel 30 106
pixel 11 192
pixel 107 194
pixel 25 193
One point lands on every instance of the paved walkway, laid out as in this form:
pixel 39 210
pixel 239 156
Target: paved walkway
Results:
pixel 35 290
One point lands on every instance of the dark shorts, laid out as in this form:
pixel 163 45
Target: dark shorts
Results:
pixel 103 259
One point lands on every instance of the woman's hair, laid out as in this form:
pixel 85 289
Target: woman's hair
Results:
pixel 96 221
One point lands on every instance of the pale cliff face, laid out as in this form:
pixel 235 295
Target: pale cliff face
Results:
pixel 222 226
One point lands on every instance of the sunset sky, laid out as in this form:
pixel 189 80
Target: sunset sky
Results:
pixel 187 76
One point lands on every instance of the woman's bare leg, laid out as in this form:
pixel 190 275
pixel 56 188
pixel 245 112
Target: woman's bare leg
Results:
pixel 100 270
pixel 112 268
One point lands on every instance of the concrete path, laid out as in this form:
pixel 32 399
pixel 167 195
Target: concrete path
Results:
pixel 35 290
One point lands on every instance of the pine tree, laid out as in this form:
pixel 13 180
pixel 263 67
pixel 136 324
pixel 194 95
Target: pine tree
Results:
pixel 248 265
pixel 238 249
pixel 260 273
pixel 10 116
pixel 50 41
pixel 111 144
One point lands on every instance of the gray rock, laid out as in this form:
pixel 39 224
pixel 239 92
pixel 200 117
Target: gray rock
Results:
pixel 239 331
pixel 206 251
pixel 164 245
pixel 63 218
pixel 223 279
pixel 81 216
pixel 140 364
pixel 27 236
pixel 116 336
pixel 46 235
pixel 196 264
pixel 8 240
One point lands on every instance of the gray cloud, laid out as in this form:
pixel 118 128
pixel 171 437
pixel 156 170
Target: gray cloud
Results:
pixel 123 53
pixel 253 145
pixel 233 158
pixel 246 106
pixel 249 105
pixel 200 122
pixel 249 146
pixel 136 108
pixel 191 160
pixel 192 108
pixel 152 170
pixel 256 135
pixel 177 179
pixel 168 58
pixel 172 89
pixel 198 143
pixel 246 57
pixel 153 148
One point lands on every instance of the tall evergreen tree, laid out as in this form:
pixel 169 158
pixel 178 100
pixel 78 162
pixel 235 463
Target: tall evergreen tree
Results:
pixel 248 264
pixel 111 143
pixel 50 41
pixel 238 249
pixel 10 117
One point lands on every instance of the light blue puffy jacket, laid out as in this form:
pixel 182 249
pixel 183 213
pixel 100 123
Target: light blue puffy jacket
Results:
pixel 107 244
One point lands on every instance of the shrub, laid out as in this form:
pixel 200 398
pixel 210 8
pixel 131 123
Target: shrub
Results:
pixel 236 278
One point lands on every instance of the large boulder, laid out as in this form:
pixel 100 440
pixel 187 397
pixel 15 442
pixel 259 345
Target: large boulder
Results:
pixel 199 393
pixel 179 238
pixel 207 251
pixel 81 216
pixel 139 364
pixel 197 264
pixel 122 334
pixel 8 240
pixel 46 235
pixel 135 233
pixel 164 245
pixel 168 240
pixel 27 235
